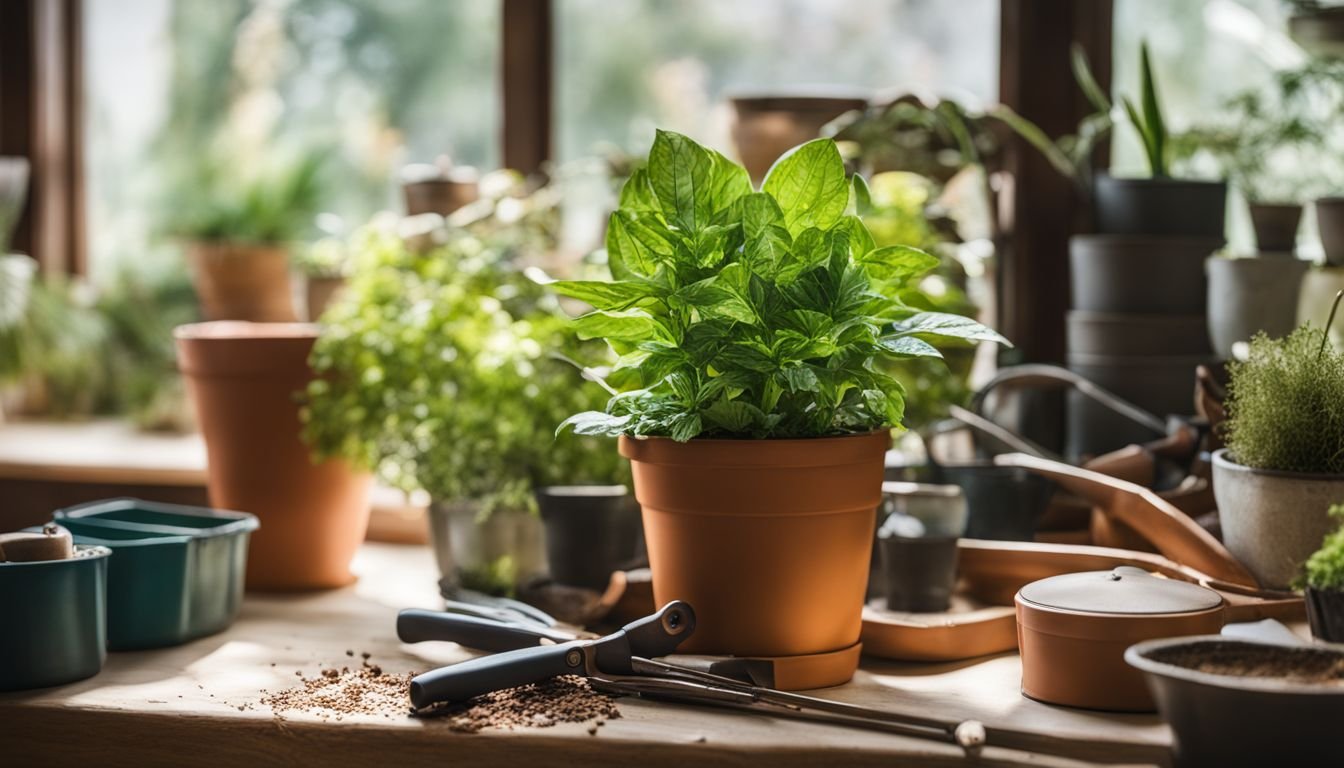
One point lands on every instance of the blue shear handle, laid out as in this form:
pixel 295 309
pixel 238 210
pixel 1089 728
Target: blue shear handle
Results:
pixel 417 626
pixel 459 682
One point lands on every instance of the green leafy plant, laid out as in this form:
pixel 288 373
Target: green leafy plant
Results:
pixel 739 313
pixel 272 206
pixel 1325 568
pixel 1147 118
pixel 446 368
pixel 1285 406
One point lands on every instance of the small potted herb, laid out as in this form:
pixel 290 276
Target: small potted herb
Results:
pixel 446 368
pixel 1284 462
pixel 238 234
pixel 1324 579
pixel 750 327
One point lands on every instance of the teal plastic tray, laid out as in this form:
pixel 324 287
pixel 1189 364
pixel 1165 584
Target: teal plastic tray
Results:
pixel 55 627
pixel 177 573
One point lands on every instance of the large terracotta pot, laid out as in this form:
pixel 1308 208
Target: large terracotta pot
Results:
pixel 242 281
pixel 244 378
pixel 769 540
pixel 1271 520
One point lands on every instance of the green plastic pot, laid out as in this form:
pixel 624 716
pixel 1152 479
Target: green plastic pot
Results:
pixel 55 620
pixel 178 571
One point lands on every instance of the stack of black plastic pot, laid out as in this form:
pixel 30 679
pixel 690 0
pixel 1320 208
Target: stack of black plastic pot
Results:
pixel 1138 327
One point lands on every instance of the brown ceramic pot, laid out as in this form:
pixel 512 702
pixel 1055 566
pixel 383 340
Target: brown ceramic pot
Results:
pixel 766 127
pixel 1275 226
pixel 769 540
pixel 242 281
pixel 320 292
pixel 439 195
pixel 244 378
pixel 1073 629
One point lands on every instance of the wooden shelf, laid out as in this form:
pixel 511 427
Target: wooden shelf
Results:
pixel 179 706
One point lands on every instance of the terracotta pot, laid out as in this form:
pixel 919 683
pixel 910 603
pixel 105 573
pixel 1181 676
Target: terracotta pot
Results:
pixel 769 540
pixel 1275 226
pixel 244 378
pixel 242 281
pixel 1160 206
pixel 320 292
pixel 439 195
pixel 1272 521
pixel 1251 295
pixel 1330 223
pixel 765 127
pixel 1072 632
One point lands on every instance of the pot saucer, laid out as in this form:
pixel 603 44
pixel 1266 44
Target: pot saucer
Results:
pixel 969 628
pixel 784 673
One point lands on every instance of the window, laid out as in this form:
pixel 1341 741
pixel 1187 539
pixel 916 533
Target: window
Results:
pixel 625 67
pixel 373 84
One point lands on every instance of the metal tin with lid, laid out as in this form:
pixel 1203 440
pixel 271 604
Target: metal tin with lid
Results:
pixel 1073 629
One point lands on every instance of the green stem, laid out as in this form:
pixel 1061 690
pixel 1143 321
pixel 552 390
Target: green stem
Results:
pixel 1325 337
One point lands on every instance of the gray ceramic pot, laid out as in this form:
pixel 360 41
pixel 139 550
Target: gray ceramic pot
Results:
pixel 1276 226
pixel 1154 275
pixel 1319 286
pixel 1106 333
pixel 1251 295
pixel 1160 206
pixel 485 551
pixel 1272 521
pixel 1330 223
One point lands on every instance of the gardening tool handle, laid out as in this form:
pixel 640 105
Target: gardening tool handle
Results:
pixel 465 680
pixel 416 626
pixel 1035 374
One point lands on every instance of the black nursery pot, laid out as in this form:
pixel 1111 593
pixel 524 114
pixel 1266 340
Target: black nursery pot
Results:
pixel 1276 226
pixel 1325 613
pixel 1162 206
pixel 919 573
pixel 1003 503
pixel 591 531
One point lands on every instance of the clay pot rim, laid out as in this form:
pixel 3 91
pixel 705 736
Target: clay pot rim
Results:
pixel 236 245
pixel 1223 459
pixel 759 452
pixel 1136 656
pixel 1162 181
pixel 801 100
pixel 83 553
pixel 233 330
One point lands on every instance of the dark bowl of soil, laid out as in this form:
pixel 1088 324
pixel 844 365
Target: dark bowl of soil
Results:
pixel 1325 613
pixel 1232 703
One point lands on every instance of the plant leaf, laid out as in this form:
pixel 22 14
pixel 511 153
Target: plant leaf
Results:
pixel 629 325
pixel 944 324
pixel 1155 126
pixel 908 346
pixel 808 182
pixel 681 173
pixel 594 423
pixel 898 263
pixel 618 294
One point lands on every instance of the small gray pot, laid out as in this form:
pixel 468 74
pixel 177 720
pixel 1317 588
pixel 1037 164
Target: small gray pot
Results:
pixel 1251 295
pixel 1275 226
pixel 1272 521
pixel 469 545
pixel 1330 222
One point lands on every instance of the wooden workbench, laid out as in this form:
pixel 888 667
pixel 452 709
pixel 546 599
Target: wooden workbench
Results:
pixel 180 706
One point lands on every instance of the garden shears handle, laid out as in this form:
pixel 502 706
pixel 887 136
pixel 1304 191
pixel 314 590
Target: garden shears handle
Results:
pixel 417 626
pixel 468 679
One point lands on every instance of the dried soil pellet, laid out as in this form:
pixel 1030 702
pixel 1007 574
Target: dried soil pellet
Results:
pixel 340 693
pixel 566 699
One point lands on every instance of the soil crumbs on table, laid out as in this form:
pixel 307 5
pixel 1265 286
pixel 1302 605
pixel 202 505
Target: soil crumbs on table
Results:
pixel 339 693
pixel 1298 665
pixel 565 699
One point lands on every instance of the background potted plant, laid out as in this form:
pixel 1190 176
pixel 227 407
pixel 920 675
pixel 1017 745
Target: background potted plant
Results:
pixel 751 404
pixel 1317 26
pixel 239 231
pixel 1323 576
pixel 446 367
pixel 1284 462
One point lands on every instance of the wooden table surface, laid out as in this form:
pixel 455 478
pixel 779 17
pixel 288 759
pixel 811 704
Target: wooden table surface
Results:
pixel 180 706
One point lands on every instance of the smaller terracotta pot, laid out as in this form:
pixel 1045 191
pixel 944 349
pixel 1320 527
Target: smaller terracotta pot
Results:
pixel 769 540
pixel 242 281
pixel 1276 226
pixel 439 195
pixel 1072 632
pixel 1325 613
pixel 245 379
pixel 1330 222
pixel 320 292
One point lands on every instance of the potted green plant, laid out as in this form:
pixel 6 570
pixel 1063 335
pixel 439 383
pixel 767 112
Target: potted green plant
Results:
pixel 1284 462
pixel 750 326
pixel 446 367
pixel 238 229
pixel 1323 577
